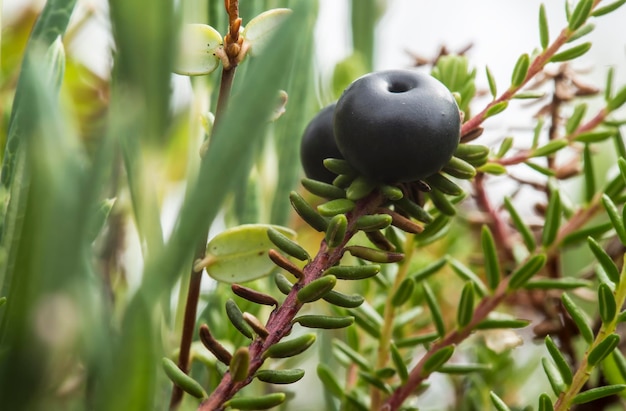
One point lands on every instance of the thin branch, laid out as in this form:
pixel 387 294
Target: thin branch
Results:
pixel 498 225
pixel 535 68
pixel 280 321
pixel 417 375
pixel 195 278
pixel 388 319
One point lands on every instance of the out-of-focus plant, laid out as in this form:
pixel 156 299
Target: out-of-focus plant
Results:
pixel 400 275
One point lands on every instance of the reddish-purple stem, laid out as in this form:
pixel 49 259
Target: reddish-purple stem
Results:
pixel 417 375
pixel 279 323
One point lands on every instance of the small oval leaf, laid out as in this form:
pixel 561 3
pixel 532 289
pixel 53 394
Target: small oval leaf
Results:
pixel 239 254
pixel 280 376
pixel 260 29
pixel 197 46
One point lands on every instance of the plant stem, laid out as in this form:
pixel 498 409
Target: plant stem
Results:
pixel 525 155
pixel 583 372
pixel 499 226
pixel 195 279
pixel 388 317
pixel 279 323
pixel 535 68
pixel 189 323
pixel 417 375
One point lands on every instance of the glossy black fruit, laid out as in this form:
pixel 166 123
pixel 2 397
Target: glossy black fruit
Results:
pixel 318 144
pixel 397 125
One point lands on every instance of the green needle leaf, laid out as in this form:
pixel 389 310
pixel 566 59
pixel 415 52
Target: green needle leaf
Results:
pixel 604 260
pixel 322 189
pixel 234 314
pixel 559 360
pixel 429 270
pixel 492 82
pixel 565 283
pixel 324 321
pixel 595 136
pixel 239 364
pixel 442 203
pixel 603 349
pixel 465 310
pixel 435 311
pixel 497 402
pixel 437 360
pixel 280 376
pixel 608 90
pixel 617 101
pixel 492 265
pixel 579 318
pixel 545 404
pixel 496 109
pixel 316 289
pixel 544 34
pixel 289 348
pixel 606 303
pixel 589 174
pixel 357 358
pixel 328 379
pixel 262 402
pixel 336 231
pixel 506 145
pixel 399 363
pixel 597 393
pixel 287 245
pixel 307 212
pixel 520 70
pixel 581 32
pixel 403 293
pixel 494 323
pixel 550 148
pixel 580 14
pixel 334 207
pixel 185 382
pixel 460 369
pixel 525 272
pixel 601 11
pixel 553 218
pixel 518 222
pixel 574 120
pixel 465 273
pixel 554 378
pixel 571 53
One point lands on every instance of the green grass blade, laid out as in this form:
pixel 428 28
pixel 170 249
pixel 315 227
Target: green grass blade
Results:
pixel 51 23
pixel 47 276
pixel 290 126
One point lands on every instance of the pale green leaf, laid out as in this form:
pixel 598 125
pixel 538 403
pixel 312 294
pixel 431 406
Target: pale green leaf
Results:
pixel 198 44
pixel 261 28
pixel 239 254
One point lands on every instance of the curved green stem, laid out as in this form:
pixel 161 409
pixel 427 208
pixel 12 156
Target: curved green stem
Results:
pixel 389 315
pixel 195 279
pixel 581 376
